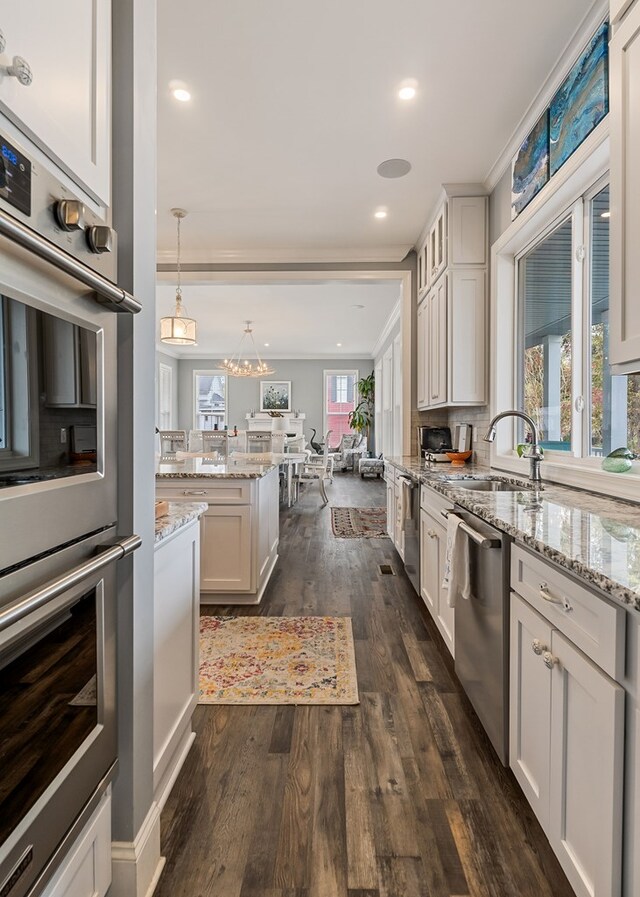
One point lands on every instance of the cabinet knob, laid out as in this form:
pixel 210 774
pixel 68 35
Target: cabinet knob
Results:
pixel 431 533
pixel 537 647
pixel 100 238
pixel 19 69
pixel 549 659
pixel 69 214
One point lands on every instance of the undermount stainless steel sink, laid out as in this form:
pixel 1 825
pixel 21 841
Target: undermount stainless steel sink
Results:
pixel 486 485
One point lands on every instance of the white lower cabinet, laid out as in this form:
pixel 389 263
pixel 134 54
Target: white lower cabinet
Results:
pixel 566 749
pixel 86 870
pixel 433 549
pixel 391 509
pixel 239 534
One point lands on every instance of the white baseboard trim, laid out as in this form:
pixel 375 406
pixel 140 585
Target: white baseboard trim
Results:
pixel 136 865
pixel 173 770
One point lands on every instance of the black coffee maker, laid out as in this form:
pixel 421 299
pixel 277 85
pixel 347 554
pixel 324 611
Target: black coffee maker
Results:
pixel 433 441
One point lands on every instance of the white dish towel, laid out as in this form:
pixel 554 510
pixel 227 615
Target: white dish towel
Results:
pixel 456 578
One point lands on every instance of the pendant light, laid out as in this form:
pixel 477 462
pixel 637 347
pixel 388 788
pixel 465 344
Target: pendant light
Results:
pixel 178 329
pixel 237 367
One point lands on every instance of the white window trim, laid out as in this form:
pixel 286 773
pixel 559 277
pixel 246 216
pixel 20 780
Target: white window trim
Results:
pixel 208 372
pixel 589 163
pixel 338 372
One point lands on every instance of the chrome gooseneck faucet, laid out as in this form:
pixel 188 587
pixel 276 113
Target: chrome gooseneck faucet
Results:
pixel 535 454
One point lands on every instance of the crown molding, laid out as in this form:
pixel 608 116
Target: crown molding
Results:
pixel 392 320
pixel 594 17
pixel 328 255
pixel 209 358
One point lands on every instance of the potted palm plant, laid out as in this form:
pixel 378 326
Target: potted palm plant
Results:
pixel 361 418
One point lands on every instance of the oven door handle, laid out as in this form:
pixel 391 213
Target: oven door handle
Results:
pixel 51 590
pixel 111 296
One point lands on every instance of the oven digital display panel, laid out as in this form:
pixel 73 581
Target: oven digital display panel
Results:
pixel 48 706
pixel 15 177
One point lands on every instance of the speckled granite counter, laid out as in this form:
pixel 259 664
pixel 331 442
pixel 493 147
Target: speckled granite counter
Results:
pixel 177 516
pixel 195 468
pixel 593 536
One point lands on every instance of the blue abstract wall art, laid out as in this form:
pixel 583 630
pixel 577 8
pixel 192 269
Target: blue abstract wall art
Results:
pixel 531 166
pixel 581 102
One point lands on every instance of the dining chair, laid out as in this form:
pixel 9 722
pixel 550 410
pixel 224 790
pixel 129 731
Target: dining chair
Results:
pixel 215 443
pixel 318 468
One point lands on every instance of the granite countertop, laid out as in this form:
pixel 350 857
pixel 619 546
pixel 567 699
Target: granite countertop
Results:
pixel 196 468
pixel 593 536
pixel 178 515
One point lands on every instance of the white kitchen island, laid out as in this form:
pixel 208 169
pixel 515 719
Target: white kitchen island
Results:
pixel 239 531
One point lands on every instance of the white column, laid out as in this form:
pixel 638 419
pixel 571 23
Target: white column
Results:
pixel 136 819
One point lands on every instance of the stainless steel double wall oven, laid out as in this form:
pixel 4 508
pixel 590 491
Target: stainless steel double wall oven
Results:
pixel 58 516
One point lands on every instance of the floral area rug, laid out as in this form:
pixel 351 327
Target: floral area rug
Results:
pixel 277 660
pixel 359 523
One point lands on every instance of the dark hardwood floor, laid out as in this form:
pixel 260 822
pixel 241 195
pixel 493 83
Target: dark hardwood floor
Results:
pixel 400 796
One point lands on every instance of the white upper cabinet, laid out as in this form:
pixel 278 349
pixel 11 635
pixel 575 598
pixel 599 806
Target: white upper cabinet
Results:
pixel 452 317
pixel 437 245
pixel 624 81
pixel 468 230
pixel 617 9
pixel 65 110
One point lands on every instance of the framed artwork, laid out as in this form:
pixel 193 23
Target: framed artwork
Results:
pixel 581 102
pixel 275 395
pixel 530 171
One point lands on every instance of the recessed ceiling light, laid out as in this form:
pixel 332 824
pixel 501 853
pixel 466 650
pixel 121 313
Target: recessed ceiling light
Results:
pixel 408 89
pixel 394 168
pixel 338 345
pixel 180 91
pixel 606 214
pixel 266 344
pixel 380 213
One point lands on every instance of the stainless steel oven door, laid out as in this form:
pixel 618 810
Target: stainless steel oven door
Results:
pixel 58 389
pixel 57 700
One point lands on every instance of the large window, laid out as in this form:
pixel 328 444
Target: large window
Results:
pixel 340 398
pixel 565 383
pixel 210 398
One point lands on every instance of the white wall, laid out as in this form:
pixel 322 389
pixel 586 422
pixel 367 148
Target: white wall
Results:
pixel 306 376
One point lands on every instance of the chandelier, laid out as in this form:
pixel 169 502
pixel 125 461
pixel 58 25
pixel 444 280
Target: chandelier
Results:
pixel 178 329
pixel 236 367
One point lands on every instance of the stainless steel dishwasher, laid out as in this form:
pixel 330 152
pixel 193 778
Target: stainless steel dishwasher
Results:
pixel 482 629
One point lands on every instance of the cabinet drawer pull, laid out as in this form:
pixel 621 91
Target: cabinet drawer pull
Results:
pixel 537 646
pixel 195 492
pixel 549 659
pixel 544 594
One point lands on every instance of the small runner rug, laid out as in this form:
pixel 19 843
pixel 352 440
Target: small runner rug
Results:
pixel 277 660
pixel 359 523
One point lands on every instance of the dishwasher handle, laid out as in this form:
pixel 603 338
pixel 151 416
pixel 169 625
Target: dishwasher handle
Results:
pixel 478 538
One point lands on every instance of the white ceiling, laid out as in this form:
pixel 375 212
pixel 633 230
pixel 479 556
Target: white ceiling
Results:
pixel 295 105
pixel 298 320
